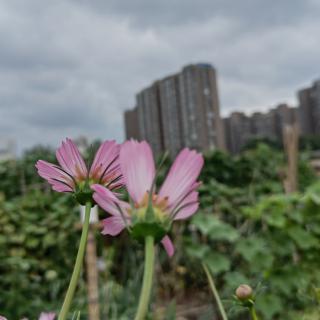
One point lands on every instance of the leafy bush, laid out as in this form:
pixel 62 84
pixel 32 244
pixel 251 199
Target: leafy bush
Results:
pixel 38 243
pixel 273 244
pixel 246 231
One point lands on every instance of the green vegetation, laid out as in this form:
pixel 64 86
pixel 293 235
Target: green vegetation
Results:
pixel 246 231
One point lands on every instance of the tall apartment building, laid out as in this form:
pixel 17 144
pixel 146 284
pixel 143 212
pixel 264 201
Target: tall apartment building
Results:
pixel 149 117
pixel 132 124
pixel 170 102
pixel 263 125
pixel 309 109
pixel 284 115
pixel 200 111
pixel 240 128
pixel 181 110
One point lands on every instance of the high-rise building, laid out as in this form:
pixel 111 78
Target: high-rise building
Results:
pixel 132 124
pixel 149 117
pixel 171 114
pixel 200 111
pixel 264 125
pixel 305 111
pixel 181 110
pixel 283 115
pixel 309 109
pixel 238 130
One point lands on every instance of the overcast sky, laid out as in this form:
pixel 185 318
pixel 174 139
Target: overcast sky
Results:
pixel 71 67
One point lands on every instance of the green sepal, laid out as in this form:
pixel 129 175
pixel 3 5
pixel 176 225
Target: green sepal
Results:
pixel 83 194
pixel 142 229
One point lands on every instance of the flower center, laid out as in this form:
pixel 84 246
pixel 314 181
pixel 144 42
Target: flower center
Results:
pixel 153 220
pixel 157 202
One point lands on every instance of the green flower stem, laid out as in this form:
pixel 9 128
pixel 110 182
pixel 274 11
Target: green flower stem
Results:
pixel 253 313
pixel 147 279
pixel 215 293
pixel 77 266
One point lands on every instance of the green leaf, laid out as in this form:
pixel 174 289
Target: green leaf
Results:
pixel 250 247
pixel 214 228
pixel 223 231
pixel 269 305
pixel 198 251
pixel 217 262
pixel 204 222
pixel 303 238
pixel 276 218
pixel 234 279
pixel 255 251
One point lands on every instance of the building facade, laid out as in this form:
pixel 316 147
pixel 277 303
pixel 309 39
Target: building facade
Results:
pixel 149 117
pixel 240 128
pixel 171 114
pixel 200 110
pixel 309 109
pixel 132 124
pixel 181 110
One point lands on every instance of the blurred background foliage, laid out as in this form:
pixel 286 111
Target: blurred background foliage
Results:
pixel 246 231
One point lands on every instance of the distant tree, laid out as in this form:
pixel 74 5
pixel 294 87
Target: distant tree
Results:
pixel 253 143
pixel 311 142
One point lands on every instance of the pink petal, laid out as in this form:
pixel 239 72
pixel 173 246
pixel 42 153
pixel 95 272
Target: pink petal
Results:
pixel 71 160
pixel 187 207
pixel 182 176
pixel 113 225
pixel 2 318
pixel 59 180
pixel 109 202
pixel 168 245
pixel 47 316
pixel 105 167
pixel 137 167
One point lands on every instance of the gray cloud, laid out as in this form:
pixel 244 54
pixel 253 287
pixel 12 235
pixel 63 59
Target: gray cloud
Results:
pixel 70 67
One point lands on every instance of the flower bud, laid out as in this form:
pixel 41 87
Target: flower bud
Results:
pixel 244 292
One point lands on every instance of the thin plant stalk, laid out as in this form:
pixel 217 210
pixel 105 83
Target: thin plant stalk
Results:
pixel 147 279
pixel 215 293
pixel 253 313
pixel 77 266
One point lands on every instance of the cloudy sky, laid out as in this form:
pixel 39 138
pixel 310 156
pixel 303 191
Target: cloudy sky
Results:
pixel 71 67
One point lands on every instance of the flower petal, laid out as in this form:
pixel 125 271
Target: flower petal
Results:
pixel 109 202
pixel 59 180
pixel 71 160
pixel 105 167
pixel 47 316
pixel 182 176
pixel 3 318
pixel 113 225
pixel 187 207
pixel 137 167
pixel 168 246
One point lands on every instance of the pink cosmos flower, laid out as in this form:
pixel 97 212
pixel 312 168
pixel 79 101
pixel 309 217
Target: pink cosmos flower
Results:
pixel 47 316
pixel 73 175
pixel 177 199
pixel 43 316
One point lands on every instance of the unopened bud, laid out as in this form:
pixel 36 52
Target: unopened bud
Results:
pixel 244 292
